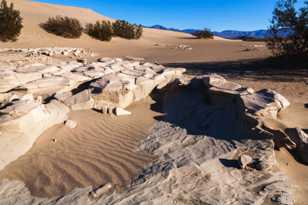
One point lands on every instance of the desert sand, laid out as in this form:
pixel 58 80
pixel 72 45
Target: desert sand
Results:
pixel 103 148
pixel 155 45
pixel 63 158
pixel 297 174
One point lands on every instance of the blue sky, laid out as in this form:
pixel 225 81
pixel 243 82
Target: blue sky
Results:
pixel 216 15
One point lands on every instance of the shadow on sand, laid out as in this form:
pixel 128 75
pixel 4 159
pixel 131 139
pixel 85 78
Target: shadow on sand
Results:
pixel 193 110
pixel 258 69
pixel 188 38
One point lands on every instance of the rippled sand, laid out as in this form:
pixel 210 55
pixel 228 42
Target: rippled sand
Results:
pixel 101 149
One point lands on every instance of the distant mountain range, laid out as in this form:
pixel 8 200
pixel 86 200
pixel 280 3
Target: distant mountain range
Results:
pixel 233 34
pixel 174 29
pixel 257 34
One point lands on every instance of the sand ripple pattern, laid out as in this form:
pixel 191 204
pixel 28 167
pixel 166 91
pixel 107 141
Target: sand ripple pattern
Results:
pixel 100 150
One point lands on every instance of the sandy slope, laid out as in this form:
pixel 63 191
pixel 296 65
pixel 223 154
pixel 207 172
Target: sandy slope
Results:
pixel 35 13
pixel 101 149
pixel 155 45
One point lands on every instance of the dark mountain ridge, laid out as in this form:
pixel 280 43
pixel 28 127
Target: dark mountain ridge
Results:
pixel 233 34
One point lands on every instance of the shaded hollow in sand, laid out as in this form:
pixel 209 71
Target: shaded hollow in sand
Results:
pixel 101 149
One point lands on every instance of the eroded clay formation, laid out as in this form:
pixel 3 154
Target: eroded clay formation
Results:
pixel 56 51
pixel 196 151
pixel 36 97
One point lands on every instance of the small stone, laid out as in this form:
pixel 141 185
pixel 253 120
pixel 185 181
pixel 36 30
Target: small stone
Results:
pixel 121 112
pixel 131 58
pixel 39 99
pixel 82 60
pixel 77 52
pixel 71 124
pixel 184 47
pixel 105 59
pixel 65 53
pixel 118 60
pixel 105 110
pixel 245 161
pixel 101 191
pixel 250 90
pixel 282 199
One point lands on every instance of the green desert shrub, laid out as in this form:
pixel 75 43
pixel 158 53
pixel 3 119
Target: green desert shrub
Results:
pixel 126 30
pixel 205 34
pixel 295 22
pixel 10 22
pixel 63 26
pixel 101 30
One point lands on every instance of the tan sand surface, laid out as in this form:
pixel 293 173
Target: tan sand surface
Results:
pixel 295 90
pixel 101 149
pixel 295 116
pixel 297 174
pixel 155 45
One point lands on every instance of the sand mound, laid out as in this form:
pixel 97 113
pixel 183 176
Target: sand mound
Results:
pixel 35 13
pixel 100 150
pixel 154 45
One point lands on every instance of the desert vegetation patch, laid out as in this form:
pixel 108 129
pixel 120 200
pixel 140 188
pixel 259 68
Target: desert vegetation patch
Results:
pixel 10 22
pixel 127 30
pixel 204 34
pixel 101 30
pixel 63 26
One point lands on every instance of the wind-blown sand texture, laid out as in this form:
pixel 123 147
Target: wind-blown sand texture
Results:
pixel 101 149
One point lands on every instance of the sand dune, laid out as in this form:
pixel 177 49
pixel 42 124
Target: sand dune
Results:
pixel 100 150
pixel 155 45
pixel 44 10
pixel 35 13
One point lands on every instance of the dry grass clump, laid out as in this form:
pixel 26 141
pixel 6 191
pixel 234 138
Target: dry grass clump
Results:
pixel 63 26
pixel 204 34
pixel 10 22
pixel 101 30
pixel 127 30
